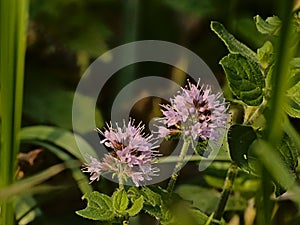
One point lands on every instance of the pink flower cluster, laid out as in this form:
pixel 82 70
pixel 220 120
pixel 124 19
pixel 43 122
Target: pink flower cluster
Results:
pixel 194 112
pixel 131 156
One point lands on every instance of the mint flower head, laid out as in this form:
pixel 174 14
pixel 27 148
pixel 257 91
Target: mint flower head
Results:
pixel 195 112
pixel 131 157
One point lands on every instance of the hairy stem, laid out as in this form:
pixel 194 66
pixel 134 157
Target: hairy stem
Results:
pixel 178 166
pixel 120 177
pixel 227 188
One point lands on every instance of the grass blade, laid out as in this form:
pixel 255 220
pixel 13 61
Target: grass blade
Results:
pixel 13 25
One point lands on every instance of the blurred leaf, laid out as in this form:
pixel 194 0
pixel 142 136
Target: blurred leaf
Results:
pixel 59 137
pixel 265 54
pixel 13 29
pixel 245 78
pixel 79 177
pixel 99 207
pixel 205 199
pixel 273 162
pixel 136 206
pixel 292 133
pixel 90 39
pixel 244 182
pixel 289 152
pixel 289 155
pixel 234 46
pixel 296 63
pixel 239 139
pixel 49 103
pixel 26 209
pixel 82 31
pixel 201 8
pixel 270 26
pixel 292 103
pixel 185 215
pixel 120 201
pixel 26 185
pixel 246 30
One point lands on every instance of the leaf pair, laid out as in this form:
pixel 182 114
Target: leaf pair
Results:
pixel 246 71
pixel 105 208
pixel 241 66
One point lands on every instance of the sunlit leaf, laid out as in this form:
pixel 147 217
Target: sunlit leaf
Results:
pixel 99 207
pixel 120 201
pixel 270 26
pixel 136 206
pixel 245 78
pixel 296 62
pixel 265 54
pixel 234 46
pixel 292 103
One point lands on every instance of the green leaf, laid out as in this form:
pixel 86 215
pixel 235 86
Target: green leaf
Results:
pixel 265 55
pixel 59 137
pixel 13 32
pixel 26 209
pixel 203 198
pixel 272 161
pixel 82 180
pixel 234 46
pixel 99 207
pixel 151 197
pixel 239 139
pixel 200 217
pixel 152 201
pixel 246 81
pixel 289 155
pixel 120 201
pixel 51 104
pixel 270 26
pixel 136 206
pixel 289 152
pixel 295 63
pixel 292 103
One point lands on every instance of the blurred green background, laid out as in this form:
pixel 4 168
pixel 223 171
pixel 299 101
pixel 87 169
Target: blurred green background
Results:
pixel 64 37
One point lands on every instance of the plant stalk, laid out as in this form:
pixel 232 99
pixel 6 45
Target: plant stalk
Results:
pixel 178 166
pixel 13 27
pixel 227 188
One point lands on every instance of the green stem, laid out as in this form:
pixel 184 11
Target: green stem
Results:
pixel 13 27
pixel 227 188
pixel 258 112
pixel 280 75
pixel 120 177
pixel 178 166
pixel 264 205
